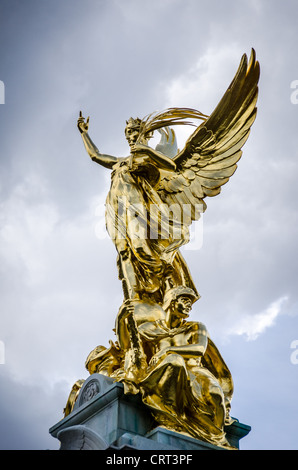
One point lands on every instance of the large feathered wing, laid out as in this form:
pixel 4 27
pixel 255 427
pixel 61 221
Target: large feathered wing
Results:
pixel 211 153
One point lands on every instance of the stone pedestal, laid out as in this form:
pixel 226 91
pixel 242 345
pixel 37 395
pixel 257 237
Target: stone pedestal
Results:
pixel 104 418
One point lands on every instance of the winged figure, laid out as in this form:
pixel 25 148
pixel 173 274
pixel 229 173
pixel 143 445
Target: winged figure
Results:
pixel 156 194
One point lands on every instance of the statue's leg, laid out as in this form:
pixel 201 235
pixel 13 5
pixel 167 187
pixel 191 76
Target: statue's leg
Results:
pixel 164 387
pixel 206 386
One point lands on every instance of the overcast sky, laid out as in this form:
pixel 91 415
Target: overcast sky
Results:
pixel 59 288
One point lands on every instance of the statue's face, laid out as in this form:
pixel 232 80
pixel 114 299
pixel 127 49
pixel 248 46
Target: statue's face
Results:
pixel 131 134
pixel 183 305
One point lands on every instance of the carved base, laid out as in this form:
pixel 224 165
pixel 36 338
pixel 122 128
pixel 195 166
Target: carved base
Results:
pixel 104 418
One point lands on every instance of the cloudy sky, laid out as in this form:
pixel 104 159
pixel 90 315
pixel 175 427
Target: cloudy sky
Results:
pixel 59 289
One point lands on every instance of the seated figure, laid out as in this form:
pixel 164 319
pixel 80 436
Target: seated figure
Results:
pixel 177 368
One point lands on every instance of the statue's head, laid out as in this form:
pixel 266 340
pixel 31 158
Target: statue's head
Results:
pixel 180 299
pixel 132 132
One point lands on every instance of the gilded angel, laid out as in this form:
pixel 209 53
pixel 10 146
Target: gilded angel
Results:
pixel 164 190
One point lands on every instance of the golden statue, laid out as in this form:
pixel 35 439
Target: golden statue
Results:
pixel 154 197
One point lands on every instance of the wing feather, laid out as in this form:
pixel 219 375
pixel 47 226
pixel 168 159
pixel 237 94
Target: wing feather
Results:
pixel 218 174
pixel 212 183
pixel 227 162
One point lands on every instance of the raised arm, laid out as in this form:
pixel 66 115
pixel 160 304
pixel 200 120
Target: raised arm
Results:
pixel 107 161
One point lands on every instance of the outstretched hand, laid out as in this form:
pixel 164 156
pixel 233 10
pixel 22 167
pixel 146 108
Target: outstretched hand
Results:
pixel 82 125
